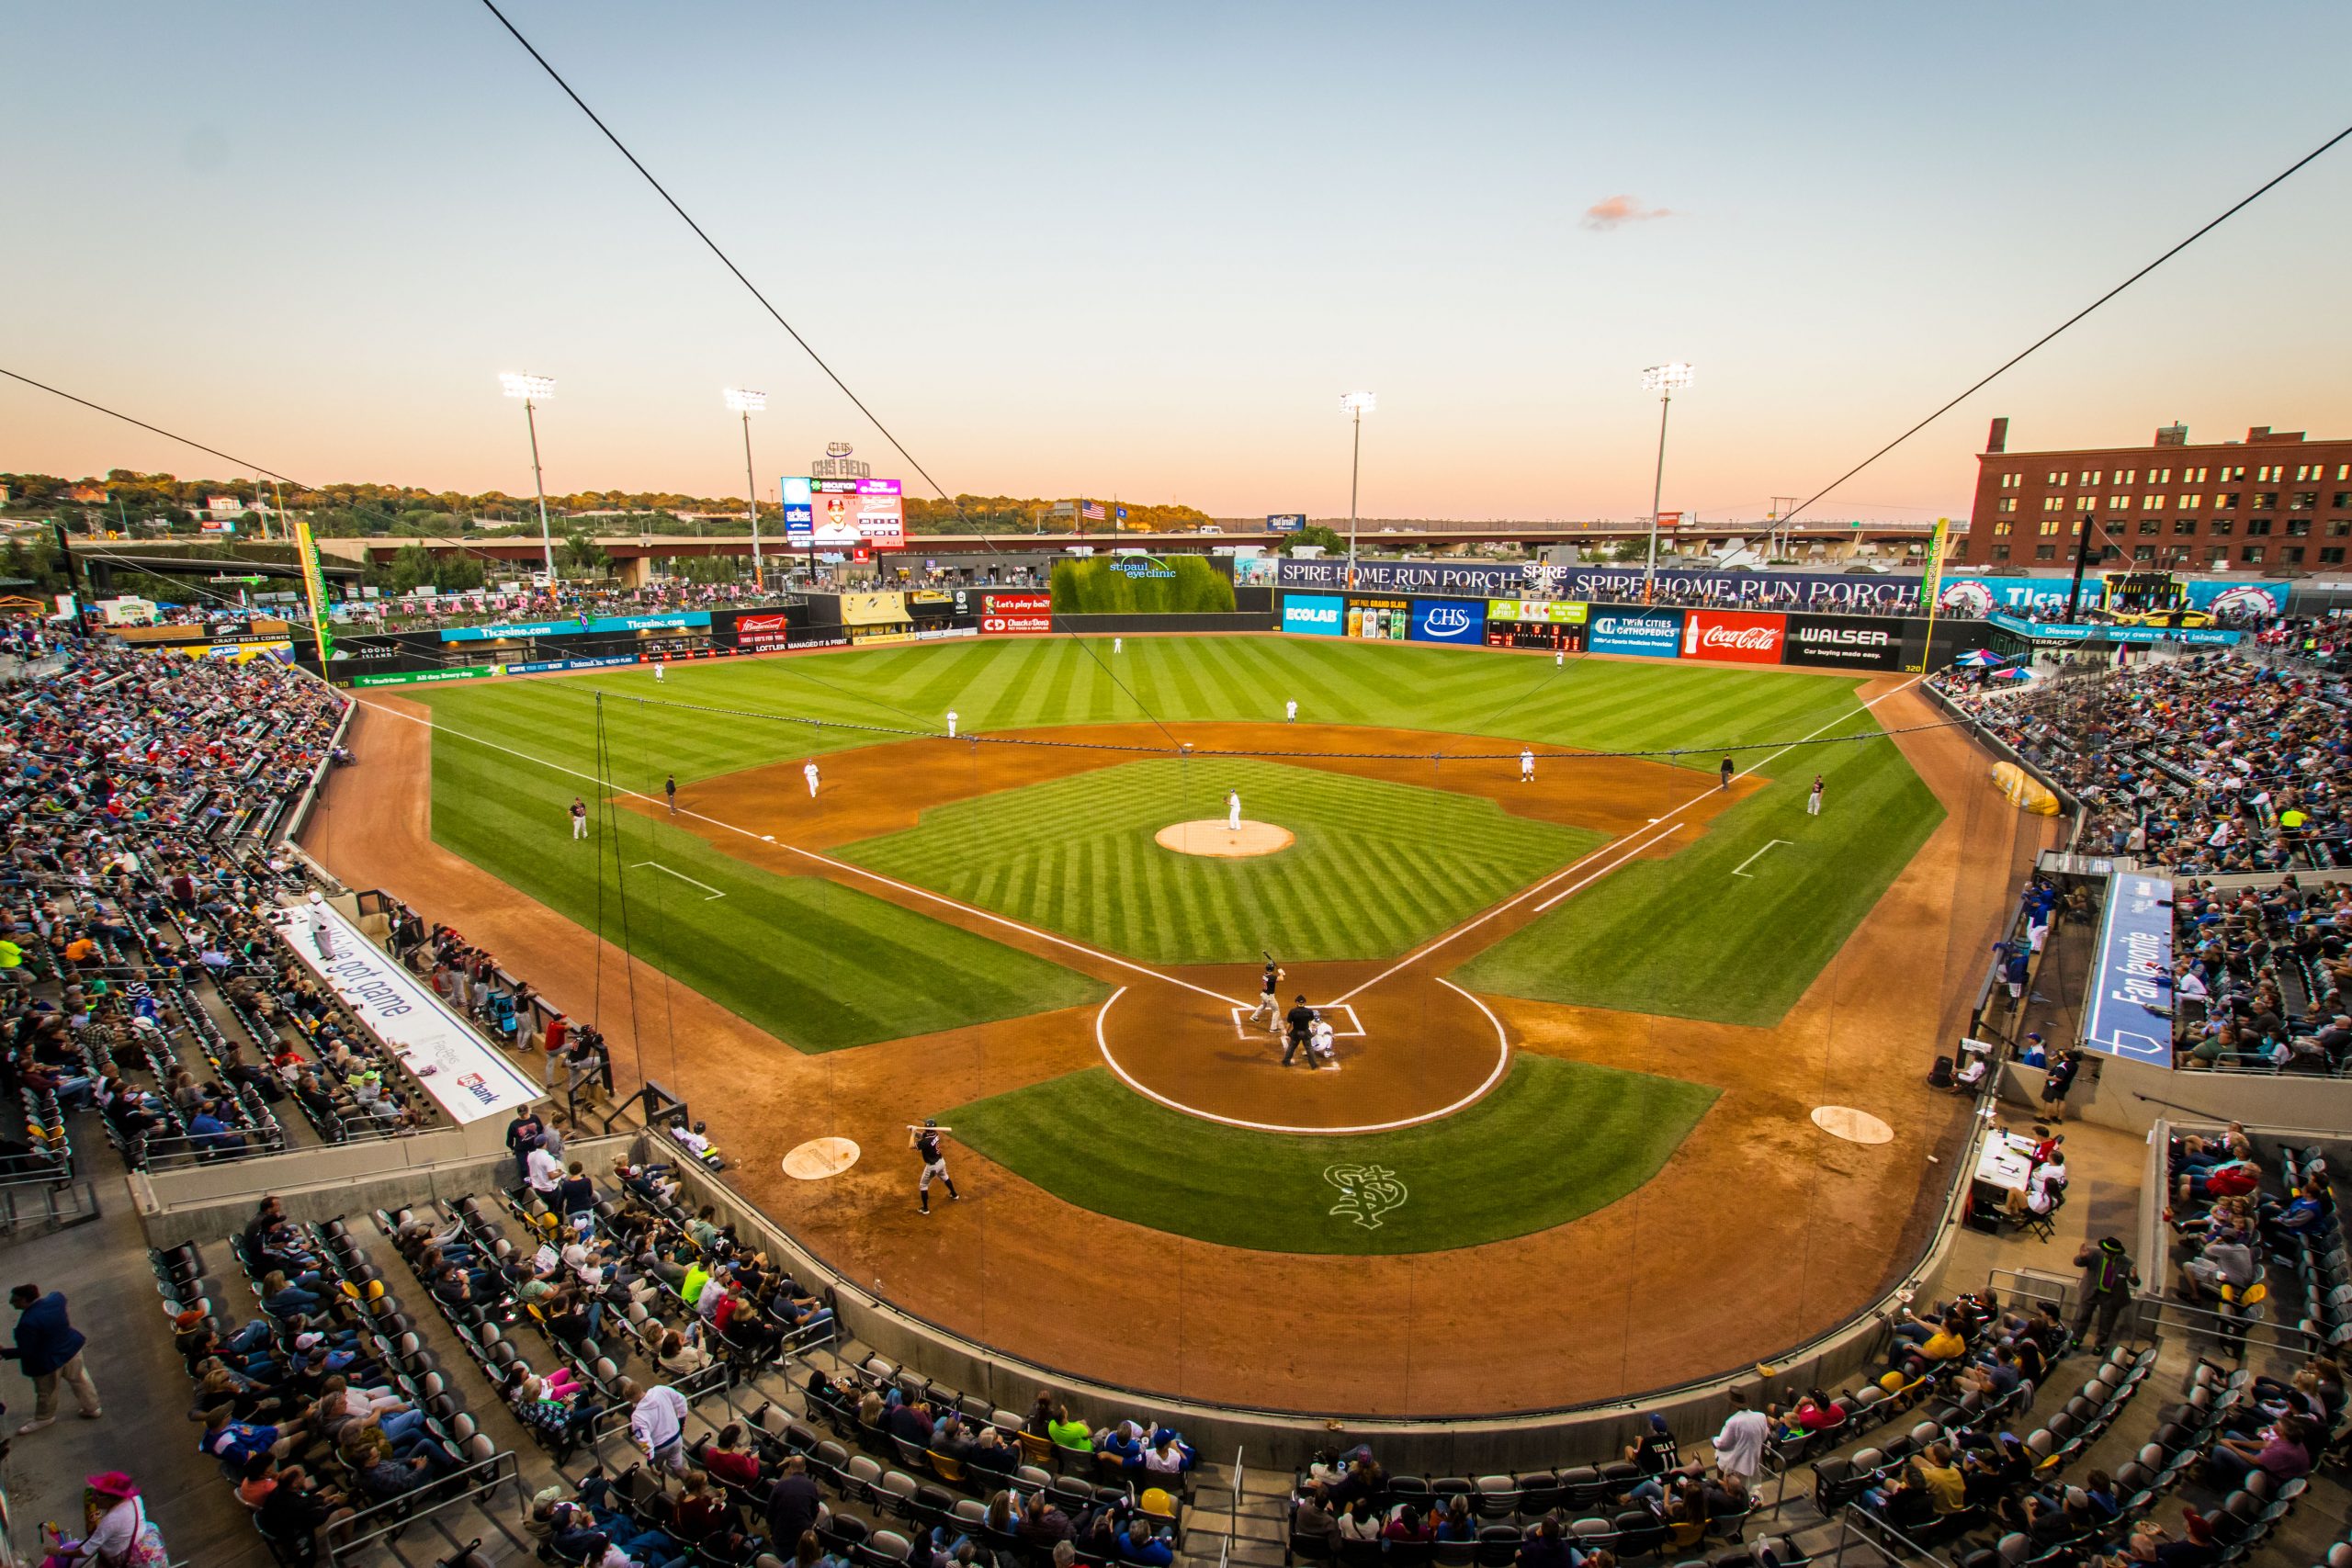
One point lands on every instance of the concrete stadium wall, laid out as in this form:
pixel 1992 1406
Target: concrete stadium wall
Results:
pixel 204 1203
pixel 2132 1096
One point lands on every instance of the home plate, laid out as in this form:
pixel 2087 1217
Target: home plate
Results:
pixel 820 1157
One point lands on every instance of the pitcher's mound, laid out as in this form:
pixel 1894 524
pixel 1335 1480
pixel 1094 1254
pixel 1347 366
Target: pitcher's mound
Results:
pixel 1212 837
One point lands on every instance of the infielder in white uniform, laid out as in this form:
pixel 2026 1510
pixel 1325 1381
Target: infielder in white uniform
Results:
pixel 809 771
pixel 1527 764
pixel 1233 811
pixel 1290 711
pixel 951 723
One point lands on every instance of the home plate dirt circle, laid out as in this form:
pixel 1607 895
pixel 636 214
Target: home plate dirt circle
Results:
pixel 820 1157
pixel 1212 837
pixel 1854 1126
pixel 1410 1048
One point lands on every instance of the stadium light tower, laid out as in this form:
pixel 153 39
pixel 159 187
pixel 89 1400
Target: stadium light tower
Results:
pixel 532 390
pixel 1355 405
pixel 1664 380
pixel 747 404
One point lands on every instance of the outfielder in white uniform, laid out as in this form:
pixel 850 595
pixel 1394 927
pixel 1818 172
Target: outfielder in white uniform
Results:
pixel 1290 711
pixel 1233 811
pixel 809 771
pixel 925 1140
pixel 1118 643
pixel 660 669
pixel 1527 764
pixel 951 723
pixel 1560 659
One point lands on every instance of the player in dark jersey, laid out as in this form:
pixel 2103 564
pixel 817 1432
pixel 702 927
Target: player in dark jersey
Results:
pixel 925 1140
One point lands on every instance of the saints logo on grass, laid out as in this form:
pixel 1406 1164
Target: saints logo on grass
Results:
pixel 1366 1192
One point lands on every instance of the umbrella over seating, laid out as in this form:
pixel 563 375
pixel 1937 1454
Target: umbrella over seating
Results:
pixel 2012 674
pixel 1979 658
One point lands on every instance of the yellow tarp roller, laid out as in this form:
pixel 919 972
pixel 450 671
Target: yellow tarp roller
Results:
pixel 2025 791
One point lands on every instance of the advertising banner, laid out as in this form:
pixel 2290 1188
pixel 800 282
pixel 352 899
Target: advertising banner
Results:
pixel 873 609
pixel 2130 1004
pixel 458 1068
pixel 1460 621
pixel 1257 571
pixel 315 588
pixel 1313 615
pixel 1843 642
pixel 1565 611
pixel 936 634
pixel 1377 620
pixel 815 636
pixel 2075 631
pixel 758 633
pixel 236 652
pixel 1018 613
pixel 1965 593
pixel 1469 579
pixel 1733 637
pixel 1285 522
pixel 1651 634
pixel 426 677
pixel 577 625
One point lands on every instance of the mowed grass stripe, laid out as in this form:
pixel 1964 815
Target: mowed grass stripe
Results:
pixel 1377 867
pixel 1462 1181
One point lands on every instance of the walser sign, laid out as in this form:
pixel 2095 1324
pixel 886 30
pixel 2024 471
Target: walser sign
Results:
pixel 1843 642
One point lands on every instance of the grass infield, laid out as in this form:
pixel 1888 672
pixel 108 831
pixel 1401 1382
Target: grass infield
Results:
pixel 1378 865
pixel 1502 1169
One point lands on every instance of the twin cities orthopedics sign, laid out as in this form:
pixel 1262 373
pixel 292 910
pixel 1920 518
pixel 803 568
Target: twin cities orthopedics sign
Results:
pixel 1648 634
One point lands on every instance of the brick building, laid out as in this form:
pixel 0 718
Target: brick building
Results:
pixel 2273 502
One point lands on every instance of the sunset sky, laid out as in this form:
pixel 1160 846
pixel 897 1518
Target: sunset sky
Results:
pixel 1098 249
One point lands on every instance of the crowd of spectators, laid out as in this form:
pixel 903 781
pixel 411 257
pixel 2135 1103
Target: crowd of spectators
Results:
pixel 2262 976
pixel 2211 764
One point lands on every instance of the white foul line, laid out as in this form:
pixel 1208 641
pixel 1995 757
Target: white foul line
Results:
pixel 1741 869
pixel 681 876
pixel 824 860
pixel 1502 1065
pixel 1539 886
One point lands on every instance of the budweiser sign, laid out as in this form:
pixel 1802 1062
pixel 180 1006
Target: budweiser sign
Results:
pixel 1733 638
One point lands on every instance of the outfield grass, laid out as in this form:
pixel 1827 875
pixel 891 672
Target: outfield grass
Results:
pixel 1688 937
pixel 1020 682
pixel 815 965
pixel 1505 1166
pixel 1377 866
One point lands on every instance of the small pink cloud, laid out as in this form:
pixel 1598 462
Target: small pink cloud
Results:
pixel 1617 210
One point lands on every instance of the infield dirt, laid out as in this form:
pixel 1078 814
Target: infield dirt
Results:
pixel 1760 1230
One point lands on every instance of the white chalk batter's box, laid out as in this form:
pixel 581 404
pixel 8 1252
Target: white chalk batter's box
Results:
pixel 1342 1017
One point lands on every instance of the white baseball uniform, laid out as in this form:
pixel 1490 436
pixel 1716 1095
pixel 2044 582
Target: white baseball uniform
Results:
pixel 951 723
pixel 1233 810
pixel 1560 659
pixel 1290 710
pixel 659 671
pixel 809 771
pixel 1117 643
pixel 1526 765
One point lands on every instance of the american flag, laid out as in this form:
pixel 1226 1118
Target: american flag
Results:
pixel 1092 510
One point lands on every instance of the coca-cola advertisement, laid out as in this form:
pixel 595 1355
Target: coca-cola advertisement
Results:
pixel 1843 642
pixel 1733 637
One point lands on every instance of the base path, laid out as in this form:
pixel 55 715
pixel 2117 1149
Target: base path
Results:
pixel 1630 1298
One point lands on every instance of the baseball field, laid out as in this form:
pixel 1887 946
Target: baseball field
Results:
pixel 1568 1005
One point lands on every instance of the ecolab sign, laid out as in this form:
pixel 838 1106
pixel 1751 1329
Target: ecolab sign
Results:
pixel 1026 613
pixel 1737 639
